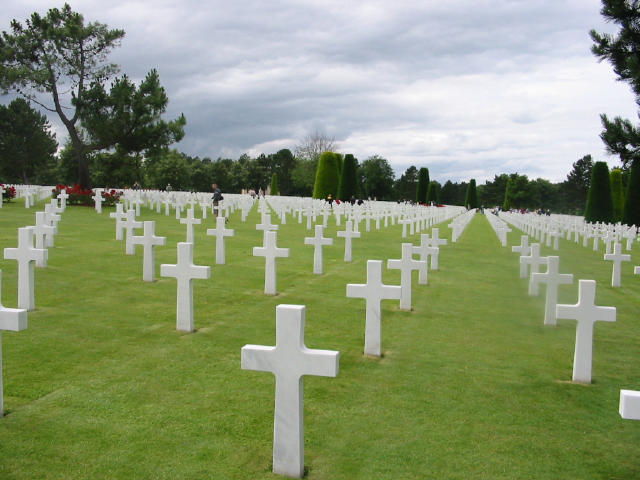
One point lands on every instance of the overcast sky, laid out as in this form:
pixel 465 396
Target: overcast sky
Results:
pixel 467 88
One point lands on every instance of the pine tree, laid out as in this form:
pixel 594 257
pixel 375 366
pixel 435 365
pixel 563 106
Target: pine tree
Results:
pixel 599 201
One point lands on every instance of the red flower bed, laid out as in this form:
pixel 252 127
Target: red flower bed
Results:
pixel 9 193
pixel 84 196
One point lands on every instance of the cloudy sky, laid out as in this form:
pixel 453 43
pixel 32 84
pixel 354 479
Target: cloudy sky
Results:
pixel 467 88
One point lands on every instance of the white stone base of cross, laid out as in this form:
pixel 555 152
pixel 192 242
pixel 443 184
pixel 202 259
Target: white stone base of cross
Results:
pixel 629 404
pixel 289 360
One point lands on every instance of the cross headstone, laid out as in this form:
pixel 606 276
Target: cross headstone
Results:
pixel 220 232
pixel 318 241
pixel 12 319
pixel 266 226
pixel 130 224
pixel 62 196
pixel 185 272
pixel 97 199
pixel 617 257
pixel 348 234
pixel 586 313
pixel 270 252
pixel 190 220
pixel 26 256
pixel 374 291
pixel 553 278
pixel 149 241
pixel 534 260
pixel 436 241
pixel 424 250
pixel 406 265
pixel 119 215
pixel 43 234
pixel 289 360
pixel 524 250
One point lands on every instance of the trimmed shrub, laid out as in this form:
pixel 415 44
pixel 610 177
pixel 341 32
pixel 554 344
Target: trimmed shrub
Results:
pixel 471 199
pixel 423 185
pixel 348 185
pixel 599 202
pixel 327 176
pixel 274 184
pixel 617 194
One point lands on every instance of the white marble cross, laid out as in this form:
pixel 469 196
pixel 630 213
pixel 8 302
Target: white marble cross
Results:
pixel 406 265
pixel 43 233
pixel 185 272
pixel 51 217
pixel 348 234
pixel 270 252
pixel 97 199
pixel 220 232
pixel 289 360
pixel 26 256
pixel 553 278
pixel 534 260
pixel 617 257
pixel 190 220
pixel 119 215
pixel 12 319
pixel 586 313
pixel 266 226
pixel 424 250
pixel 436 241
pixel 130 224
pixel 524 250
pixel 318 242
pixel 374 291
pixel 149 241
pixel 62 196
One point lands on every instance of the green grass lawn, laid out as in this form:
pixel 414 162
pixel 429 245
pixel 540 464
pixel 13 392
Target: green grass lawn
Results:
pixel 471 384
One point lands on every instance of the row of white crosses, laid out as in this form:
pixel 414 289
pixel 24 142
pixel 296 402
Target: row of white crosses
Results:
pixel 15 319
pixel 585 312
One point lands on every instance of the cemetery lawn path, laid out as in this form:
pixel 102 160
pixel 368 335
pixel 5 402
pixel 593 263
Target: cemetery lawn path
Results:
pixel 471 384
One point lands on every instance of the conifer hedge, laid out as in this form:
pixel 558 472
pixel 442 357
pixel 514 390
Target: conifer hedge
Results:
pixel 327 175
pixel 631 214
pixel 599 202
pixel 423 185
pixel 348 185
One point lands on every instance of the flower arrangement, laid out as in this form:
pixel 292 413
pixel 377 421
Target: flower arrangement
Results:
pixel 9 193
pixel 84 196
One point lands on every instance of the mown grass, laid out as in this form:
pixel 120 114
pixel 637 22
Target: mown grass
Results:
pixel 471 384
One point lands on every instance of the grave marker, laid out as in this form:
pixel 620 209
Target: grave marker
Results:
pixel 26 257
pixel 220 232
pixel 617 257
pixel 185 272
pixel 586 313
pixel 130 224
pixel 318 241
pixel 374 291
pixel 190 220
pixel 553 278
pixel 270 252
pixel 289 360
pixel 406 265
pixel 149 241
pixel 348 234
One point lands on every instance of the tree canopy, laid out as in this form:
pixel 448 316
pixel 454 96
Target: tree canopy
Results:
pixel 27 144
pixel 60 63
